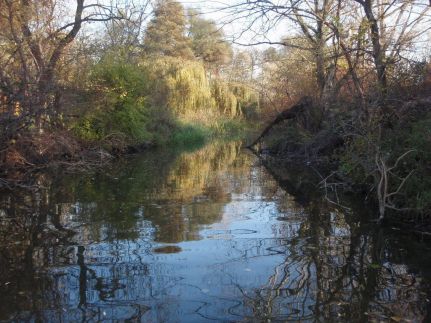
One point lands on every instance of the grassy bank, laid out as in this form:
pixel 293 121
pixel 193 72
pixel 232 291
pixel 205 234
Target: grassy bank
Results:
pixel 192 133
pixel 82 147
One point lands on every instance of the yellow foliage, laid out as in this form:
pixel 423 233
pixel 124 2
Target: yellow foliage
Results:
pixel 184 88
pixel 181 85
pixel 226 100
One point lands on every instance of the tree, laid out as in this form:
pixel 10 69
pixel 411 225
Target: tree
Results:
pixel 165 34
pixel 123 37
pixel 241 67
pixel 339 33
pixel 393 27
pixel 35 37
pixel 309 17
pixel 287 75
pixel 208 43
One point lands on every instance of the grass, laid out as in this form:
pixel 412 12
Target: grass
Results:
pixel 192 134
pixel 189 134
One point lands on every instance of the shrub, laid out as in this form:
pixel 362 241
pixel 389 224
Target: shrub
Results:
pixel 120 110
pixel 415 136
pixel 189 134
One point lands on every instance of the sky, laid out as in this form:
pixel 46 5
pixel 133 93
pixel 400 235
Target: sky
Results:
pixel 236 23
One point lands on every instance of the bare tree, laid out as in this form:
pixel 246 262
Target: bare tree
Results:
pixel 35 37
pixel 311 19
pixel 393 28
pixel 357 31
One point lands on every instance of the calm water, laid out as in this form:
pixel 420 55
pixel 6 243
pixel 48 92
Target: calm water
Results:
pixel 200 236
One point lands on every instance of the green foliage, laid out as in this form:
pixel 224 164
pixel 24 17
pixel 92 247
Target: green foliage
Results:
pixel 226 101
pixel 154 97
pixel 411 136
pixel 119 110
pixel 193 134
pixel 88 129
pixel 207 42
pixel 146 102
pixel 190 135
pixel 356 161
pixel 230 128
pixel 415 136
pixel 247 99
pixel 165 34
pixel 181 86
pixel 235 99
pixel 160 95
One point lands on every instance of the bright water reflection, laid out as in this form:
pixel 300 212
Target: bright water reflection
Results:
pixel 197 236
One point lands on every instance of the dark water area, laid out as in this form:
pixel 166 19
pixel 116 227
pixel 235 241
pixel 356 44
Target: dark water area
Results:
pixel 202 236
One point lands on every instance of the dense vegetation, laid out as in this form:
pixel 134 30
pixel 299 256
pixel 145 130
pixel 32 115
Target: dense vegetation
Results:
pixel 128 86
pixel 359 83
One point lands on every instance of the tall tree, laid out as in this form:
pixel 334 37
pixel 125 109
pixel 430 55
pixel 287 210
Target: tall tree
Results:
pixel 393 27
pixel 166 32
pixel 123 37
pixel 208 42
pixel 241 68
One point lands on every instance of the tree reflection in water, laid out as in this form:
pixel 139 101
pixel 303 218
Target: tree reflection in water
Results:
pixel 200 235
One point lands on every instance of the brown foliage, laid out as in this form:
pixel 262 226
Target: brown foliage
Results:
pixel 36 149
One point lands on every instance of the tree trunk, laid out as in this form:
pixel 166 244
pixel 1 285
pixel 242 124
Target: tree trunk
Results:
pixel 46 84
pixel 378 53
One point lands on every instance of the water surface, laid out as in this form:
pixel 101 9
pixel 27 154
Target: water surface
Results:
pixel 200 236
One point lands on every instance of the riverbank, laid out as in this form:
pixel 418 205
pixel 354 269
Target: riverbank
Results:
pixel 33 151
pixel 307 182
pixel 384 158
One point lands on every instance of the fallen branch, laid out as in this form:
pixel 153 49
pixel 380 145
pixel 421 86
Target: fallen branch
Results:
pixel 290 113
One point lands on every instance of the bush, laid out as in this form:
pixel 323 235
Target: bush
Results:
pixel 235 99
pixel 161 100
pixel 415 136
pixel 120 110
pixel 183 87
pixel 189 134
pixel 412 135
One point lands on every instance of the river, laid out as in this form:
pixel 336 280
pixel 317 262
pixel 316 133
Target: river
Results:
pixel 200 236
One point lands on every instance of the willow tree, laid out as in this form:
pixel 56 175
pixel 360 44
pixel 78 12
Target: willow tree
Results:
pixel 166 32
pixel 180 86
